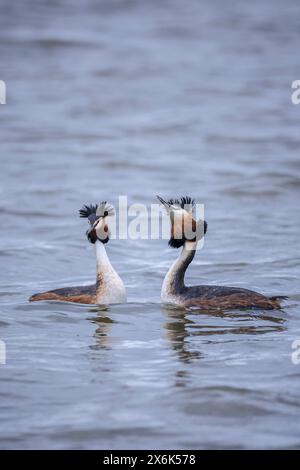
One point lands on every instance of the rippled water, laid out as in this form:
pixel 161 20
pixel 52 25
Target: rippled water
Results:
pixel 141 98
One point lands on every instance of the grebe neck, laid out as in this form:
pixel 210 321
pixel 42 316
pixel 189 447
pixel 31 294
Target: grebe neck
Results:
pixel 174 281
pixel 109 285
pixel 102 259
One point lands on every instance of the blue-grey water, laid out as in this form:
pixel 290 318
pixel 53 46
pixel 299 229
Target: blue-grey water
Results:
pixel 138 98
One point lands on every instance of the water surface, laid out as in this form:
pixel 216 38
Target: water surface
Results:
pixel 141 98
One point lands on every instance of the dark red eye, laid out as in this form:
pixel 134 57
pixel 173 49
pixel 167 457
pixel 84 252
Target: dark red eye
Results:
pixel 105 214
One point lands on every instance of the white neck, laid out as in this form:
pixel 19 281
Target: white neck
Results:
pixel 173 284
pixel 109 286
pixel 102 259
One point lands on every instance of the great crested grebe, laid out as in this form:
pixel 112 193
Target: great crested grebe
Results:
pixel 109 287
pixel 175 291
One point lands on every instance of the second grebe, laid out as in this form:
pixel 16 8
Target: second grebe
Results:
pixel 109 287
pixel 175 291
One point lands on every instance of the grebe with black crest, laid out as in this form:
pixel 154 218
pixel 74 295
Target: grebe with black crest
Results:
pixel 109 287
pixel 174 290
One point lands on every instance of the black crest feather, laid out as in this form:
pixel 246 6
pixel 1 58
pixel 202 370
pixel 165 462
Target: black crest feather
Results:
pixel 86 210
pixel 187 201
pixel 182 202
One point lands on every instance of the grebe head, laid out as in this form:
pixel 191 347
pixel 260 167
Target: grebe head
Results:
pixel 184 228
pixel 97 216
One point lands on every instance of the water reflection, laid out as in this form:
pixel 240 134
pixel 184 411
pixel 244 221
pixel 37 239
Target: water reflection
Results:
pixel 177 328
pixel 103 329
pixel 183 324
pixel 181 327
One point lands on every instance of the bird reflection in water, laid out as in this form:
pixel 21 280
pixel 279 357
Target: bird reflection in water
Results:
pixel 184 324
pixel 104 323
pixel 177 328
